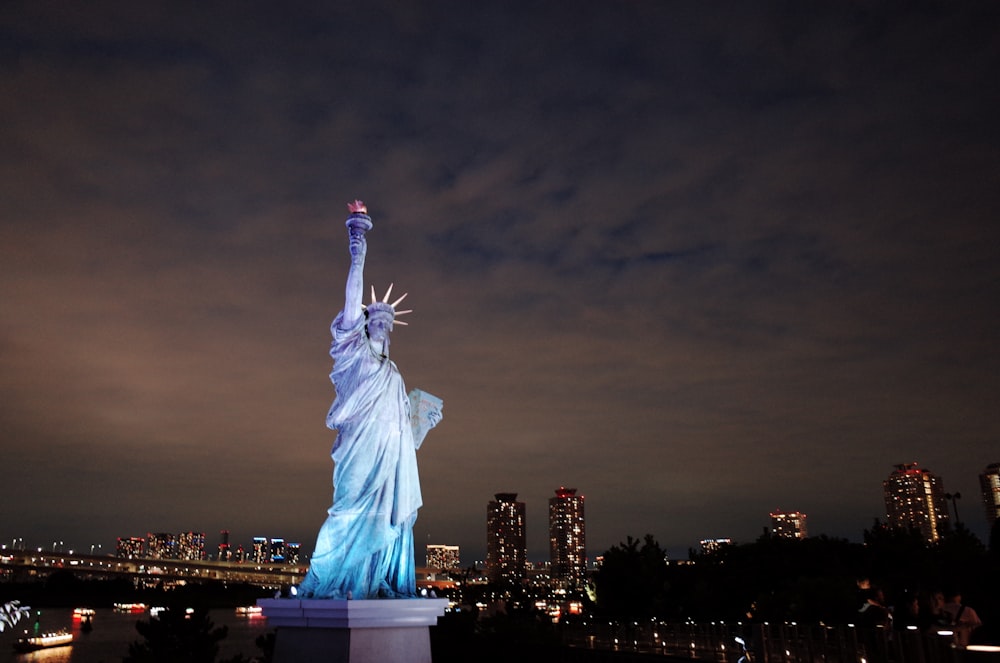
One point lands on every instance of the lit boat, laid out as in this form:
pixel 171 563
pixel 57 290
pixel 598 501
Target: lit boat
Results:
pixel 44 641
pixel 130 607
pixel 249 610
pixel 83 613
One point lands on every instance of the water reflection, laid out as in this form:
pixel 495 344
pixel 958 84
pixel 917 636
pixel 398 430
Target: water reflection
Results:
pixel 112 632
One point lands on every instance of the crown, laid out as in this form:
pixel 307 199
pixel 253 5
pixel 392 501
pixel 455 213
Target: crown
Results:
pixel 384 308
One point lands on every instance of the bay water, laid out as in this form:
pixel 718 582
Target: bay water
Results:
pixel 112 632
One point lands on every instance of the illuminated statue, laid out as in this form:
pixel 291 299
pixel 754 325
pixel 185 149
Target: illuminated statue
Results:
pixel 365 548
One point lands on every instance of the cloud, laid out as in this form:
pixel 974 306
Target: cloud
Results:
pixel 680 258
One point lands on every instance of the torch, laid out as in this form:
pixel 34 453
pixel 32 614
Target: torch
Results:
pixel 358 221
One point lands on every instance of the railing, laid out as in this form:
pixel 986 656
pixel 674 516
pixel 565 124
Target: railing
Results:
pixel 767 643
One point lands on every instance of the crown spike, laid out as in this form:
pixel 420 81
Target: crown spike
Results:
pixel 384 308
pixel 400 322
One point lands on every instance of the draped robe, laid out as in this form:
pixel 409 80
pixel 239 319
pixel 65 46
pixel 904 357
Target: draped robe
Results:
pixel 365 548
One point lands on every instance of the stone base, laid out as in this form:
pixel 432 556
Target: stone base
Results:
pixel 337 631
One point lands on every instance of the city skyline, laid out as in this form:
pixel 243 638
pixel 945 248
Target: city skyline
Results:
pixel 787 523
pixel 701 262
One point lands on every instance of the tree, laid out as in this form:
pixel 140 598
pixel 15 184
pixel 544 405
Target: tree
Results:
pixel 176 635
pixel 632 581
pixel 11 613
pixel 897 557
pixel 994 546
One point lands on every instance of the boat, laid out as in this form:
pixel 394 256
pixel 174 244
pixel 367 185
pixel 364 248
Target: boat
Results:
pixel 130 607
pixel 43 641
pixel 249 611
pixel 83 613
pixel 157 610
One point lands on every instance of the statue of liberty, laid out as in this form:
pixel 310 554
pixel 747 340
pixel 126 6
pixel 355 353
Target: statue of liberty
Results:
pixel 365 548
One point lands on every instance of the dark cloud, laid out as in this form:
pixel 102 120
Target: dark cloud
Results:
pixel 697 262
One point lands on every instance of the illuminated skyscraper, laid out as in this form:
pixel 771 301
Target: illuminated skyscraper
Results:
pixel 130 548
pixel 260 553
pixel 445 558
pixel 789 524
pixel 293 552
pixel 191 545
pixel 567 537
pixel 914 499
pixel 161 545
pixel 709 546
pixel 989 480
pixel 506 544
pixel 225 553
pixel 277 553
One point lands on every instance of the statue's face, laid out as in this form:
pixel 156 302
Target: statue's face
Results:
pixel 379 328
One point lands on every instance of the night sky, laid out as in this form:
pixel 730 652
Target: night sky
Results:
pixel 699 260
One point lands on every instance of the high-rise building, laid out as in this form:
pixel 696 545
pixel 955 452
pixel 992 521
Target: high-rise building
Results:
pixel 709 546
pixel 914 499
pixel 989 480
pixel 130 548
pixel 161 545
pixel 277 551
pixel 259 553
pixel 293 552
pixel 191 545
pixel 225 552
pixel 789 524
pixel 442 557
pixel 506 544
pixel 567 537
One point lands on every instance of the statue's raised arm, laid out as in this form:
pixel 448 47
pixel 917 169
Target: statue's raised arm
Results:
pixel 358 223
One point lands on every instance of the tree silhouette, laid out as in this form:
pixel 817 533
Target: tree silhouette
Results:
pixel 994 545
pixel 632 581
pixel 176 635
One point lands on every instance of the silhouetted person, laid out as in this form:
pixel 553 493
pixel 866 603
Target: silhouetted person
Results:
pixel 964 619
pixel 906 613
pixel 873 612
pixel 932 615
pixel 875 622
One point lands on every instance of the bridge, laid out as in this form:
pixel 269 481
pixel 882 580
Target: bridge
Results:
pixel 23 565
pixel 19 565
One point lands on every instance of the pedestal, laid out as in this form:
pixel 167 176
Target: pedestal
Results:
pixel 337 631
